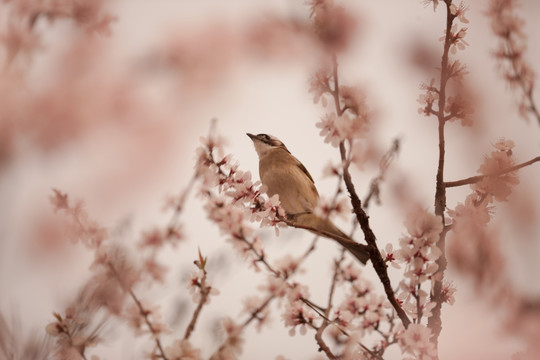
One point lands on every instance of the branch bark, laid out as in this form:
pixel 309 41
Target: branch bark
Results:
pixel 375 255
pixel 434 322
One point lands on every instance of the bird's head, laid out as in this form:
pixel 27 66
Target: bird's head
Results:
pixel 263 143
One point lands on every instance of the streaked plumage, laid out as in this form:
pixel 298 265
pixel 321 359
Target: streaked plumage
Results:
pixel 285 175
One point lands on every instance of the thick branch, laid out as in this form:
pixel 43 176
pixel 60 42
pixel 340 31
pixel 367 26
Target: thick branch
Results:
pixel 475 179
pixel 434 322
pixel 375 255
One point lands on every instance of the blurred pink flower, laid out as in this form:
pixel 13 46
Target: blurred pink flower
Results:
pixel 332 24
pixel 182 350
pixel 297 315
pixel 415 341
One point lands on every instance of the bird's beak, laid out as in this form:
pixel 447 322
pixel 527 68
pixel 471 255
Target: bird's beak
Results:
pixel 251 136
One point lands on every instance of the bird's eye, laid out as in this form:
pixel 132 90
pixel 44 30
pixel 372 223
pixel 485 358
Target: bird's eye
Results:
pixel 264 136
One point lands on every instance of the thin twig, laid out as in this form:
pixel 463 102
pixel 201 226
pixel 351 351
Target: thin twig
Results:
pixel 320 330
pixel 527 90
pixel 386 160
pixel 340 328
pixel 142 311
pixel 205 292
pixel 475 179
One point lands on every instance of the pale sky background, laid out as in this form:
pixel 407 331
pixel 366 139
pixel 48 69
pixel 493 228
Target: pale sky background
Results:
pixel 269 97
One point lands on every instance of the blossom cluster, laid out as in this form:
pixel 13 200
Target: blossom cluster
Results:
pixel 508 28
pixel 459 99
pixel 20 40
pixel 416 343
pixel 363 313
pixel 473 248
pixel 234 200
pixel 494 185
pixel 113 279
pixel 418 252
pixel 352 119
pixel 332 25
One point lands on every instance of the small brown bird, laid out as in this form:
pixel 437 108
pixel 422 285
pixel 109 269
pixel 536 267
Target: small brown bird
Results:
pixel 284 175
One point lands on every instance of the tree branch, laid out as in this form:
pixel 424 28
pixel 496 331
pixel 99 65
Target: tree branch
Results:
pixel 475 179
pixel 434 322
pixel 142 311
pixel 375 255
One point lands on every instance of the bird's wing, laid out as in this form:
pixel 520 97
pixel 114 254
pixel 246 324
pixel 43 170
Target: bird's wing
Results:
pixel 304 170
pixel 284 175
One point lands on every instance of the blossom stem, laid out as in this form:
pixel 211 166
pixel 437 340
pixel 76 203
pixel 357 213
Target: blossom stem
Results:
pixel 335 92
pixel 180 204
pixel 374 187
pixel 517 74
pixel 475 179
pixel 318 335
pixel 205 291
pixel 341 329
pixel 142 311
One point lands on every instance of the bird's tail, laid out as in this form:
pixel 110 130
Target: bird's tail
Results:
pixel 325 227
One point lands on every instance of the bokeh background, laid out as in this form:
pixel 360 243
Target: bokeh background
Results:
pixel 115 120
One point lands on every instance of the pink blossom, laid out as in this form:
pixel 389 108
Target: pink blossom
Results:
pixel 340 207
pixel 253 307
pixel 351 272
pixel 422 224
pixel 182 350
pixel 388 255
pixel 473 211
pixel 499 186
pixel 287 266
pixel 428 98
pixel 352 127
pixel 331 170
pixel 275 286
pixel 332 24
pixel 416 341
pixel 504 145
pixel 234 341
pixel 153 238
pixel 329 131
pixel 155 270
pixel 319 86
pixel 354 100
pixel 434 2
pixel 297 315
pixel 459 107
pixel 297 292
pixel 448 291
pixel 456 38
pixel 198 285
pixel 459 12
